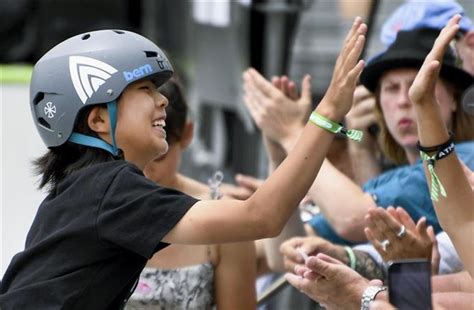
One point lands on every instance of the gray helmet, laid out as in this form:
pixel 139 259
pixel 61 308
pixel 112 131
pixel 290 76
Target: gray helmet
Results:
pixel 88 69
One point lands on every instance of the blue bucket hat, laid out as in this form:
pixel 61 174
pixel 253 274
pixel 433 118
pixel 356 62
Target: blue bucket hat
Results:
pixel 415 14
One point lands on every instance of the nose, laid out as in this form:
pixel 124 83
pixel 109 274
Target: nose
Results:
pixel 403 99
pixel 161 100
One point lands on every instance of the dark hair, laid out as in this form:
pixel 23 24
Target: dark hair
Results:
pixel 59 162
pixel 176 111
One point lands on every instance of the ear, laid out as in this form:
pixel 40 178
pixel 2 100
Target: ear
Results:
pixel 187 135
pixel 98 120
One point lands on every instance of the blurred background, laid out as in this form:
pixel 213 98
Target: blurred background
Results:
pixel 210 43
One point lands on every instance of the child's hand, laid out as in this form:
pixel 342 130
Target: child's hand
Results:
pixel 423 88
pixel 338 98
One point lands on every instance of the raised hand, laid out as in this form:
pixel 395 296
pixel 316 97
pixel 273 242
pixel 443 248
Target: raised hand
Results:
pixel 338 98
pixel 423 88
pixel 362 116
pixel 275 107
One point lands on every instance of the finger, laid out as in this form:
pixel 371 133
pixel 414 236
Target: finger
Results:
pixel 300 283
pixel 289 264
pixel 364 107
pixel 406 219
pixel 362 122
pixel 235 192
pixel 284 85
pixel 262 84
pixel 292 90
pixel 378 226
pixel 445 37
pixel 355 52
pixel 276 81
pixel 421 228
pixel 393 212
pixel 355 73
pixel 311 275
pixel 321 267
pixel 300 270
pixel 391 224
pixel 353 31
pixel 361 93
pixel 248 181
pixel 329 259
pixel 306 88
pixel 288 250
pixel 376 244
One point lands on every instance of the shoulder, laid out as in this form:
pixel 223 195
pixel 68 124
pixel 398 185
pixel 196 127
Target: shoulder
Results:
pixel 392 176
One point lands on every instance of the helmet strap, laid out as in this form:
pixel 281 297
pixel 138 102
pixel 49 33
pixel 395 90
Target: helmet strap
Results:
pixel 82 139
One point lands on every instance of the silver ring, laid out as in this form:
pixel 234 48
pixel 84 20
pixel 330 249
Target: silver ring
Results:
pixel 402 232
pixel 384 244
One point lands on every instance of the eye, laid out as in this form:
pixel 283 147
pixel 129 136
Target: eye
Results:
pixel 144 87
pixel 390 87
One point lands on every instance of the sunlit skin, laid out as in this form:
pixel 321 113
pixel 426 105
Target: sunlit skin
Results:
pixel 399 113
pixel 141 115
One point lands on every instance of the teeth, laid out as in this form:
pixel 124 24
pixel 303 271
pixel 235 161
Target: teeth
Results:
pixel 160 123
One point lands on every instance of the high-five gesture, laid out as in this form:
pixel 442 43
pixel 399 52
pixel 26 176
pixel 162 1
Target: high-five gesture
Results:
pixel 346 73
pixel 423 88
pixel 454 208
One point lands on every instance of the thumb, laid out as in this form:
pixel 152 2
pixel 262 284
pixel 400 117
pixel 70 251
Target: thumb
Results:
pixel 306 89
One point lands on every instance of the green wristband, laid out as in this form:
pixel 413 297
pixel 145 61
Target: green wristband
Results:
pixel 352 257
pixel 334 127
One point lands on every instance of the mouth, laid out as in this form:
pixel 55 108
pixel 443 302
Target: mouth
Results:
pixel 405 122
pixel 159 123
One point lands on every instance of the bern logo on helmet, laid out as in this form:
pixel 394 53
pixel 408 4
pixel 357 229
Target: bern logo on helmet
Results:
pixel 137 72
pixel 88 74
pixel 50 109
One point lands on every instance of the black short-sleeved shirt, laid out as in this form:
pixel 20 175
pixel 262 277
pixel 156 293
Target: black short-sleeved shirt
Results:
pixel 90 240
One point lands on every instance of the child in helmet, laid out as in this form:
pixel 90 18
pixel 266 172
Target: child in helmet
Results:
pixel 95 103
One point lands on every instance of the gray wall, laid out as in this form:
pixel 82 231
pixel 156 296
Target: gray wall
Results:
pixel 20 143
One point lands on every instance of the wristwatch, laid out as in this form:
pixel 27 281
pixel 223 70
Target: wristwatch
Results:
pixel 369 296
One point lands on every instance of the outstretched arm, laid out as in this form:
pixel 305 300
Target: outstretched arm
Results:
pixel 265 213
pixel 455 211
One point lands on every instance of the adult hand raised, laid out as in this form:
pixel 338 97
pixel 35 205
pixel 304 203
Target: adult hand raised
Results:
pixel 274 107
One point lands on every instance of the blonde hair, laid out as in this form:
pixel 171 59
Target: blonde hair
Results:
pixel 462 127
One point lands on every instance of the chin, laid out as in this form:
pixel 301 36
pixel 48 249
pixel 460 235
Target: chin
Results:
pixel 163 149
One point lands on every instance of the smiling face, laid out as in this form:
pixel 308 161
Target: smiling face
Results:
pixel 141 117
pixel 398 112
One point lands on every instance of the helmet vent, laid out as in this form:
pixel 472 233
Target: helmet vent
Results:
pixel 86 36
pixel 151 54
pixel 39 96
pixel 44 123
pixel 119 32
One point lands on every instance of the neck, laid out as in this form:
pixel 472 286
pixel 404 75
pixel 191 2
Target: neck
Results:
pixel 412 155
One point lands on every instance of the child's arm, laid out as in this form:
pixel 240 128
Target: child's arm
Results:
pixel 455 211
pixel 265 213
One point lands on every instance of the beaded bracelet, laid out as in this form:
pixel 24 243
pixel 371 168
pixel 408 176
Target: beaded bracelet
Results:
pixel 334 127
